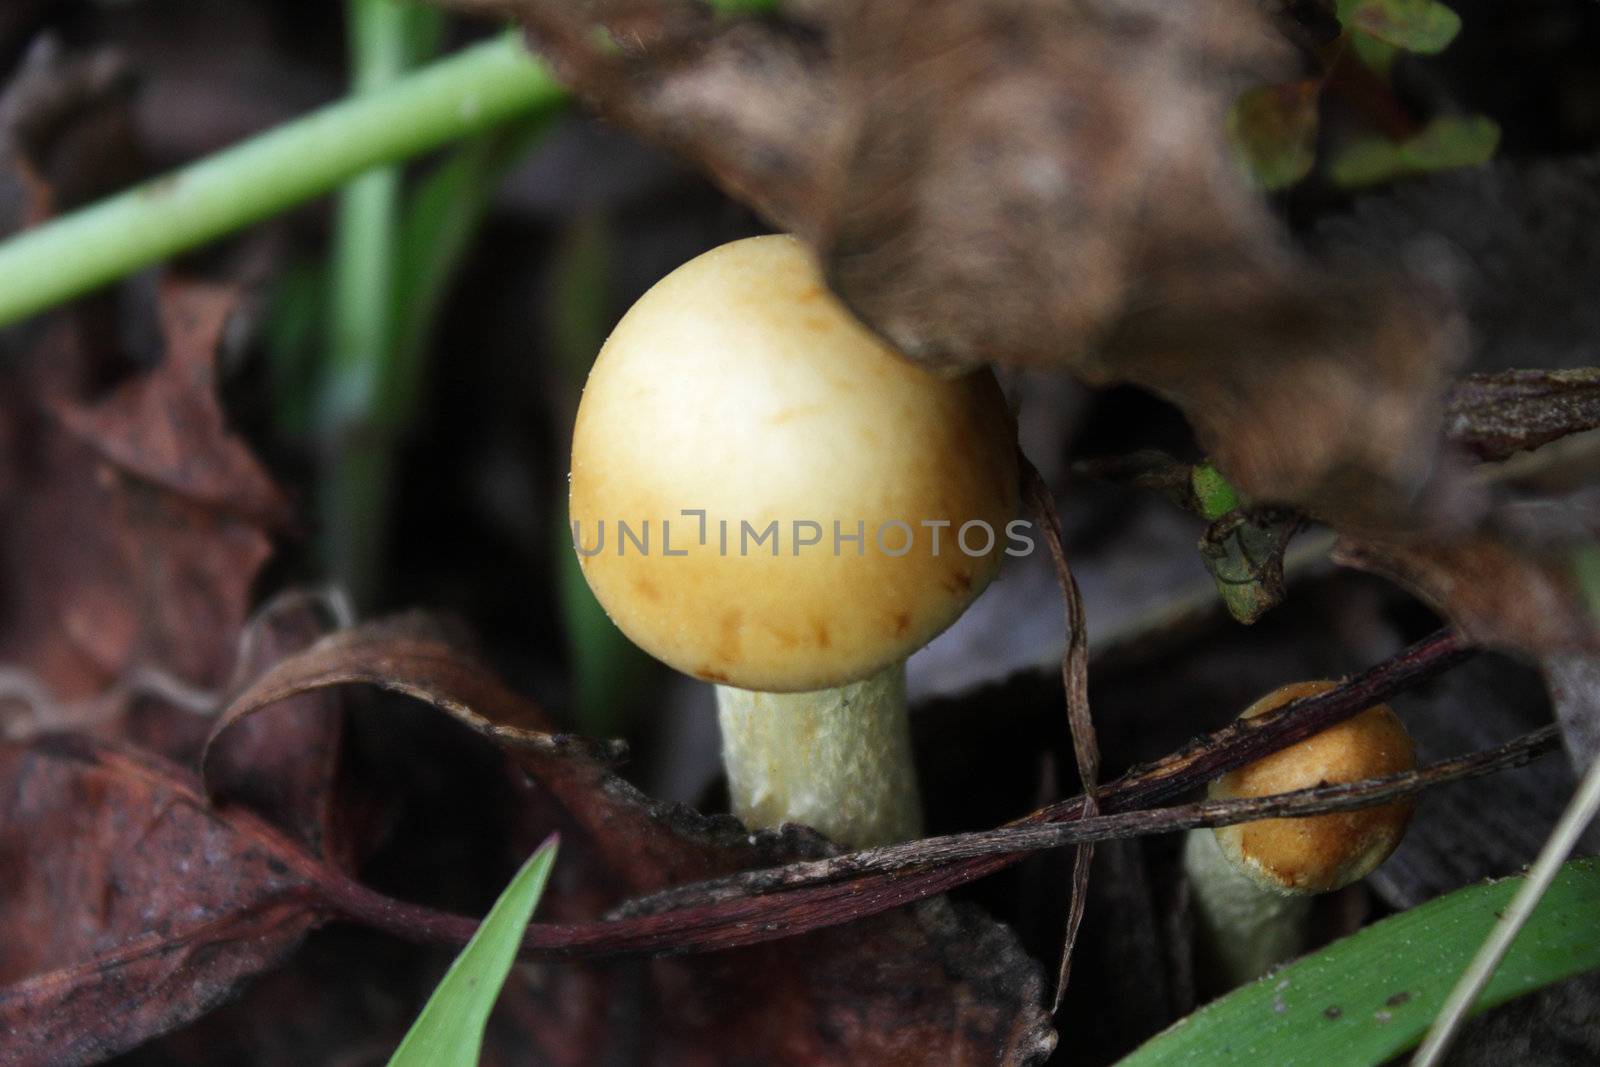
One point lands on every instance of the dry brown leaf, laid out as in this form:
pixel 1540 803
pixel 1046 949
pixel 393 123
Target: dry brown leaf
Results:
pixel 131 905
pixel 882 990
pixel 136 523
pixel 1048 184
pixel 1496 594
pixel 67 133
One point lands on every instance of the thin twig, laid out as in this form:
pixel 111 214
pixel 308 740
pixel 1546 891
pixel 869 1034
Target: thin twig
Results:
pixel 1017 838
pixel 747 919
pixel 819 905
pixel 1075 683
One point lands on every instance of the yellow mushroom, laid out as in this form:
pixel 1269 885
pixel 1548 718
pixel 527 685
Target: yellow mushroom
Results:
pixel 1252 882
pixel 766 496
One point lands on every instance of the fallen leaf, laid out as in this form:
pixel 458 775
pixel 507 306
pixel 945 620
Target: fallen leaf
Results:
pixel 881 989
pixel 167 429
pixel 66 132
pixel 144 908
pixel 1050 185
pixel 1497 594
pixel 136 524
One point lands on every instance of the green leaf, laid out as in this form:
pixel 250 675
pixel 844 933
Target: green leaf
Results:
pixel 449 1032
pixel 1447 142
pixel 1586 565
pixel 1214 494
pixel 1452 141
pixel 1243 551
pixel 1274 132
pixel 1371 996
pixel 1423 26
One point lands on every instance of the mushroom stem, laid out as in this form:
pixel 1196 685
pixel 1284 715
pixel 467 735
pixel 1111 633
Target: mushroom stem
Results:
pixel 1244 927
pixel 837 759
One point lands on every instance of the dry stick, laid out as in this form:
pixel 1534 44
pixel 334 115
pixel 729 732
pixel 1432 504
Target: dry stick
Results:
pixel 1239 743
pixel 745 919
pixel 1075 683
pixel 751 919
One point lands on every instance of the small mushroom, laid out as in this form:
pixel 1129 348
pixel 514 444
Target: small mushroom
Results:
pixel 1252 883
pixel 800 509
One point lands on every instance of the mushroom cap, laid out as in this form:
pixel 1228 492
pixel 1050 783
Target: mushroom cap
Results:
pixel 740 386
pixel 1319 853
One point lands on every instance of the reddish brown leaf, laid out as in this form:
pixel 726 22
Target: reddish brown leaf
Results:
pixel 134 526
pixel 130 904
pixel 166 428
pixel 284 764
pixel 882 990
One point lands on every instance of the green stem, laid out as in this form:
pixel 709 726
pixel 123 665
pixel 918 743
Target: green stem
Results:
pixel 464 94
pixel 357 434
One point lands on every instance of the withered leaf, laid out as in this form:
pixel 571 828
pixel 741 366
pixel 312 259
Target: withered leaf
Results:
pixel 135 524
pixel 285 765
pixel 66 132
pixel 167 428
pixel 1495 593
pixel 131 905
pixel 1051 185
pixel 882 989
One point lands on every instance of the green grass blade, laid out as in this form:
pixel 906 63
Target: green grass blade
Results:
pixel 466 93
pixel 449 1032
pixel 1371 996
pixel 1563 839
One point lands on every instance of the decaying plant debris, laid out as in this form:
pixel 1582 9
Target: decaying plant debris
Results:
pixel 213 791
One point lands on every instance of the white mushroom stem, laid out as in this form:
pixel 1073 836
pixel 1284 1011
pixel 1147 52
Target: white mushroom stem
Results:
pixel 1245 929
pixel 835 759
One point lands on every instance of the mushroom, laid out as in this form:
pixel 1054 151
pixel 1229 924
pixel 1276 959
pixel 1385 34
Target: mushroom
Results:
pixel 820 509
pixel 1252 883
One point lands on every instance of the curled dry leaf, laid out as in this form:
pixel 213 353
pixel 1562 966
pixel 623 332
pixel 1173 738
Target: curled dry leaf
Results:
pixel 131 904
pixel 835 995
pixel 840 991
pixel 135 523
pixel 136 905
pixel 1497 594
pixel 1048 184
